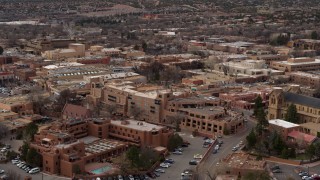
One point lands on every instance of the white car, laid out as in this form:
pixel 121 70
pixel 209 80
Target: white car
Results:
pixel 160 170
pixel 34 170
pixel 3 150
pixel 1 171
pixel 21 164
pixel 131 177
pixel 163 165
pixel 14 161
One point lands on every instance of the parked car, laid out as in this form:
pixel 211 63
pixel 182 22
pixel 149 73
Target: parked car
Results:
pixel 205 145
pixel 131 177
pixel 1 171
pixel 7 146
pixel 159 170
pixel 178 149
pixel 177 152
pixel 276 171
pixel 152 175
pixel 157 174
pixel 193 162
pixel 205 138
pixel 34 170
pixel 214 151
pixel 4 177
pixel 14 161
pixel 303 173
pixel 184 145
pixel 120 177
pixel 3 150
pixel 171 161
pixel 163 165
pixel 21 164
pixel 234 149
pixel 219 136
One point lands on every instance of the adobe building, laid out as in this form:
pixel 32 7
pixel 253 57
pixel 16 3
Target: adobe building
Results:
pixel 74 50
pixel 244 100
pixel 204 115
pixel 17 104
pixel 297 64
pixel 241 163
pixel 129 99
pixel 140 133
pixel 305 79
pixel 24 74
pixel 282 127
pixel 75 111
pixel 307 44
pixel 77 142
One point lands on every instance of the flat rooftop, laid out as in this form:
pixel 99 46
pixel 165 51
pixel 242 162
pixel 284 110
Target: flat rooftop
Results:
pixel 209 110
pixel 316 61
pixel 282 123
pixel 103 145
pixel 137 125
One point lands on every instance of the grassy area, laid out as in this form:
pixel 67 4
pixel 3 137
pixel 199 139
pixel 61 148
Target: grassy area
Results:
pixel 301 157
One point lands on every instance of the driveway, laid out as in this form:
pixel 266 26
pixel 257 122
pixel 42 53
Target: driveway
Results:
pixel 182 161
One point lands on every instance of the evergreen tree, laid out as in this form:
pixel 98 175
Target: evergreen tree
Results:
pixel 314 35
pixel 262 121
pixel 292 115
pixel 251 139
pixel 257 105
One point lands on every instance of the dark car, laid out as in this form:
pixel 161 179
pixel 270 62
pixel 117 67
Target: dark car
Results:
pixel 136 177
pixel 193 162
pixel 171 161
pixel 214 151
pixel 152 175
pixel 184 145
pixel 157 174
pixel 205 138
pixel 275 167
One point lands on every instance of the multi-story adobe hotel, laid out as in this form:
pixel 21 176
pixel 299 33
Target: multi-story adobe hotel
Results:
pixel 75 142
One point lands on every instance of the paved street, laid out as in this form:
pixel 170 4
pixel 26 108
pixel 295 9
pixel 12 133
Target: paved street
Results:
pixel 226 148
pixel 182 161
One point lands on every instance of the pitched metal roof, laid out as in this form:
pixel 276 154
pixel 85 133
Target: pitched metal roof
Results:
pixel 303 100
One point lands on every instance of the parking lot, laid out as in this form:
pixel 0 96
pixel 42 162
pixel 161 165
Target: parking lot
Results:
pixel 292 171
pixel 182 161
pixel 9 167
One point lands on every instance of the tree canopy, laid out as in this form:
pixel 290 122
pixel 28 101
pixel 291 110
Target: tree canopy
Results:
pixel 1 50
pixel 314 35
pixel 251 139
pixel 142 158
pixel 292 115
pixel 34 158
pixel 257 105
pixel 174 142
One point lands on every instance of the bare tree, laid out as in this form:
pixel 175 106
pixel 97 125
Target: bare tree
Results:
pixel 136 112
pixel 175 121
